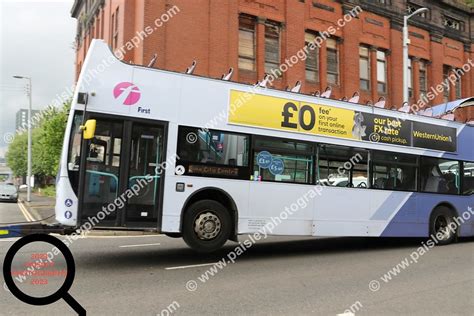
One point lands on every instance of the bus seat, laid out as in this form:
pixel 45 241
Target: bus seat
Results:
pixel 393 183
pixel 436 182
pixel 380 183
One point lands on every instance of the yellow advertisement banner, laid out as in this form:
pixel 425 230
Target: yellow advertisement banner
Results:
pixel 295 116
pixel 290 115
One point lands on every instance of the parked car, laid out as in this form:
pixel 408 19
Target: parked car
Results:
pixel 8 193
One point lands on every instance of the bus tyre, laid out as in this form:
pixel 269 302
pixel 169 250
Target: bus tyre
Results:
pixel 206 226
pixel 442 225
pixel 173 235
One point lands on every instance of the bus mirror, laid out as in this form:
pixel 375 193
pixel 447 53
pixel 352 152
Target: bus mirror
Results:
pixel 88 129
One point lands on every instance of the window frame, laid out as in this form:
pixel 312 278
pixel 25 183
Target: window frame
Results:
pixel 373 161
pixel 350 171
pixel 244 172
pixel 338 70
pixel 384 61
pixel 312 153
pixel 277 62
pixel 252 20
pixel 460 166
pixel 115 28
pixel 316 52
pixel 367 58
pixel 423 70
pixel 446 72
pixel 457 86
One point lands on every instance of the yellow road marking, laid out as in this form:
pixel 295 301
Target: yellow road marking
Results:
pixel 25 212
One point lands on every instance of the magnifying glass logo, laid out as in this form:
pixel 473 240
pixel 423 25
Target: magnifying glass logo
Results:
pixel 62 292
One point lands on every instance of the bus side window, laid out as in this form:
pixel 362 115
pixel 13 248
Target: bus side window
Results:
pixel 283 160
pixel 393 171
pixel 213 147
pixel 440 175
pixel 342 166
pixel 468 187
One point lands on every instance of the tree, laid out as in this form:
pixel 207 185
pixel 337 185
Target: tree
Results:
pixel 17 155
pixel 47 140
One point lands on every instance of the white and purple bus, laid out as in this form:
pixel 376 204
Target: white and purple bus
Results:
pixel 215 159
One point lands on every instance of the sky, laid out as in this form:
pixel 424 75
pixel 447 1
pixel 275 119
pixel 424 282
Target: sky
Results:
pixel 36 40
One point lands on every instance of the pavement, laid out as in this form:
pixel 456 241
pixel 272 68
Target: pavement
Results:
pixel 41 208
pixel 157 275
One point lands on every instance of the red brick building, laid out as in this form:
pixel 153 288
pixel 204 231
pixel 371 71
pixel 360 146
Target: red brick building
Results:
pixel 256 36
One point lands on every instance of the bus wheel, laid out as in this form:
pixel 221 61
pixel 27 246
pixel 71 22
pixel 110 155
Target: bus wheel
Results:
pixel 206 226
pixel 441 225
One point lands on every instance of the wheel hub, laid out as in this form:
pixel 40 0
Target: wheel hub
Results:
pixel 441 227
pixel 207 226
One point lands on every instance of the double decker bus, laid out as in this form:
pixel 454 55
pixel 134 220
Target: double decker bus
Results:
pixel 217 159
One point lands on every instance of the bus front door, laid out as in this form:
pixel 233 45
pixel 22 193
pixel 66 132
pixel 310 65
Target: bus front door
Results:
pixel 144 176
pixel 122 175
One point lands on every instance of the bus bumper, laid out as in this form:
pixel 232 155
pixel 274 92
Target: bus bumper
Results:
pixel 33 228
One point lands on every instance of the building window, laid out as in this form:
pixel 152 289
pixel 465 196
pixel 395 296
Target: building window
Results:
pixel 381 72
pixel 446 71
pixel 312 60
pixel 423 79
pixel 247 43
pixel 115 28
pixel 393 171
pixel 102 23
pixel 410 78
pixel 440 176
pixel 453 24
pixel 332 61
pixel 458 87
pixel 364 67
pixel 283 161
pixel 272 47
pixel 413 7
pixel 97 27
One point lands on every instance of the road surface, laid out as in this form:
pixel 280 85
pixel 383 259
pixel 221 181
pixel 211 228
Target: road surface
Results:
pixel 149 275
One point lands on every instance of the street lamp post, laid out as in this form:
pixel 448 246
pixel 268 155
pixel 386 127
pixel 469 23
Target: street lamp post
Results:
pixel 28 176
pixel 406 41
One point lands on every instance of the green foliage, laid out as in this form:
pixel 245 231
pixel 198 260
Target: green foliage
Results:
pixel 17 155
pixel 47 140
pixel 49 191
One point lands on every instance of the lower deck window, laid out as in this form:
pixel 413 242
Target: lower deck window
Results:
pixel 393 171
pixel 342 166
pixel 214 153
pixel 468 179
pixel 213 147
pixel 440 176
pixel 283 161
